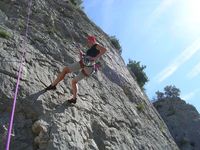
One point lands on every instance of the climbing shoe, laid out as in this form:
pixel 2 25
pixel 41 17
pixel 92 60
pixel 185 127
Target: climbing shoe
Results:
pixel 50 87
pixel 72 100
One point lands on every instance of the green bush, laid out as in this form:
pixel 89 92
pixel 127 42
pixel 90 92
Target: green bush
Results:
pixel 170 92
pixel 116 44
pixel 140 107
pixel 162 127
pixel 4 34
pixel 160 95
pixel 137 71
pixel 77 3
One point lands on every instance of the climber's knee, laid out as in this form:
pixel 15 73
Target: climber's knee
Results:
pixel 74 81
pixel 66 70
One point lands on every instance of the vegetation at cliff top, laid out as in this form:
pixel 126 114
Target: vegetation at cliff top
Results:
pixel 170 91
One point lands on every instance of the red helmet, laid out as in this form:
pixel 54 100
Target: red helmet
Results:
pixel 91 39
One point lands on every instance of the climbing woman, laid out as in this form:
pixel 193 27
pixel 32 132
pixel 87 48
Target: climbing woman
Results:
pixel 86 66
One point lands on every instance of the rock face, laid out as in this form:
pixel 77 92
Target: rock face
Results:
pixel 111 112
pixel 183 121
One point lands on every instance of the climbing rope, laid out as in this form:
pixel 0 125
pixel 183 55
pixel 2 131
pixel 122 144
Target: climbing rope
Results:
pixel 18 80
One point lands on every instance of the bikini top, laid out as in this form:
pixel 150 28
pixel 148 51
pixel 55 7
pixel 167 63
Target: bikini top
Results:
pixel 93 51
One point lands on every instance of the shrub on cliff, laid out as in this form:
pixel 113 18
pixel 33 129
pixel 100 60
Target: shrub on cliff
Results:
pixel 137 71
pixel 4 34
pixel 116 44
pixel 77 3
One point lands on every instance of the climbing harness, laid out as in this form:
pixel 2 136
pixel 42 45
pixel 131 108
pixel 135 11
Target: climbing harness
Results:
pixel 18 81
pixel 87 61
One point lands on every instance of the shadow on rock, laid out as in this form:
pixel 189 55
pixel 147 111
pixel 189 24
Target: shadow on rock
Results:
pixel 32 105
pixel 35 96
pixel 60 108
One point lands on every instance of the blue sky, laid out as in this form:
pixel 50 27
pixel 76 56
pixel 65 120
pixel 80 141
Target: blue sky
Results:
pixel 164 35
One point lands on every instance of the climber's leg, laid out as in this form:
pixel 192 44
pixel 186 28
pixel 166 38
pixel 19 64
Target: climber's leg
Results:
pixel 68 69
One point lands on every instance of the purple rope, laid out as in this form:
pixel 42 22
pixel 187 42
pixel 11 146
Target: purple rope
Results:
pixel 17 85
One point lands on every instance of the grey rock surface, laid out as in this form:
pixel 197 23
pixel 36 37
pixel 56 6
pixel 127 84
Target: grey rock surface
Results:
pixel 108 114
pixel 183 121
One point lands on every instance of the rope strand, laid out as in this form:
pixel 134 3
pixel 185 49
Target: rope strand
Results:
pixel 18 81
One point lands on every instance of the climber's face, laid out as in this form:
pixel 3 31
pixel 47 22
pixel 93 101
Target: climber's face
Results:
pixel 91 40
pixel 89 43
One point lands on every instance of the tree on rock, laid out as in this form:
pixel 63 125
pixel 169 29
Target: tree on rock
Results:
pixel 170 91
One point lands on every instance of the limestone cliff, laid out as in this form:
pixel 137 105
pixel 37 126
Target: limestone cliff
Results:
pixel 183 121
pixel 111 111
